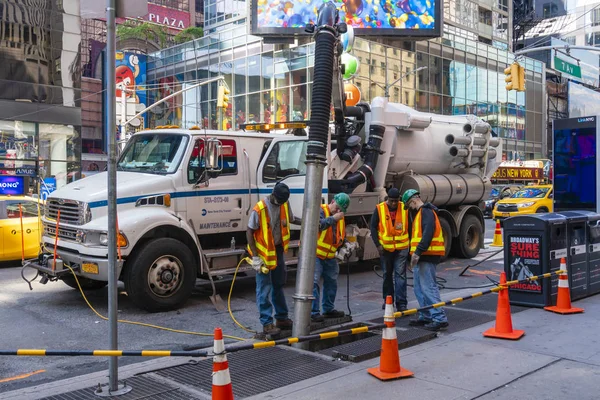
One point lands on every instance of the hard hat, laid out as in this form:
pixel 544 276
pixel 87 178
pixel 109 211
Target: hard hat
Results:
pixel 342 200
pixel 408 194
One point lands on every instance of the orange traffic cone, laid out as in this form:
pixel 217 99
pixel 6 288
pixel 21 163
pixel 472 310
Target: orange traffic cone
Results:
pixel 389 363
pixel 221 380
pixel 497 236
pixel 503 328
pixel 563 301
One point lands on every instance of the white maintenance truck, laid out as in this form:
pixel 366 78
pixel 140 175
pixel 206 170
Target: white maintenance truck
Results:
pixel 185 196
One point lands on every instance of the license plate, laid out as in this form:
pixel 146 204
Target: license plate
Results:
pixel 89 268
pixel 506 214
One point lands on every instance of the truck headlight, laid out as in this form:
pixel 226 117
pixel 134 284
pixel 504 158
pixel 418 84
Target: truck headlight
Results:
pixel 121 240
pixel 528 204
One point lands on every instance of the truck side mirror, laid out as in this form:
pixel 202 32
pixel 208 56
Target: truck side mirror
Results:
pixel 213 154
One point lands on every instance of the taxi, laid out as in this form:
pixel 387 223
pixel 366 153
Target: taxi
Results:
pixel 528 200
pixel 12 237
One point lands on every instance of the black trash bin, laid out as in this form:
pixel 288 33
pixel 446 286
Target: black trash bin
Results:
pixel 577 262
pixel 593 250
pixel 534 245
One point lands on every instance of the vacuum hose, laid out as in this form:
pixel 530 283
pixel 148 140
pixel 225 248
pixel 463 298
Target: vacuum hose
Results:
pixel 371 151
pixel 320 105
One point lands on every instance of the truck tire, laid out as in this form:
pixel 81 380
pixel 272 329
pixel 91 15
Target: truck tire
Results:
pixel 86 283
pixel 447 232
pixel 161 275
pixel 470 237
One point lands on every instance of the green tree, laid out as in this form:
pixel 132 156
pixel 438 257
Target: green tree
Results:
pixel 144 31
pixel 189 33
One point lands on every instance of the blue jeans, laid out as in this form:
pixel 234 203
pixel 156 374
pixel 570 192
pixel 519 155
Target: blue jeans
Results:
pixel 427 292
pixel 329 270
pixel 393 264
pixel 271 285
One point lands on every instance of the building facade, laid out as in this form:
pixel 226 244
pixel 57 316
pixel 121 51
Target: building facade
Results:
pixel 272 82
pixel 40 92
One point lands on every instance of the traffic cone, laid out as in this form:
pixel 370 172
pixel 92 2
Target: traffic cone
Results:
pixel 221 380
pixel 503 328
pixel 563 300
pixel 389 363
pixel 497 236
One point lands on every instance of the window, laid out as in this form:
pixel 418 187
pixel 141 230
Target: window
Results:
pixel 228 162
pixel 595 17
pixel 153 153
pixel 29 209
pixel 550 10
pixel 286 159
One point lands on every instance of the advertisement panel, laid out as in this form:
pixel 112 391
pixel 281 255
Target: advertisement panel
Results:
pixel 131 77
pixel 173 19
pixel 524 261
pixel 408 18
pixel 518 173
pixel 12 185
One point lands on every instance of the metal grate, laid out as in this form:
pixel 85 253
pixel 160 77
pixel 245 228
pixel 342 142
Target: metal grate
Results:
pixel 255 371
pixel 370 347
pixel 458 319
pixel 71 211
pixel 142 388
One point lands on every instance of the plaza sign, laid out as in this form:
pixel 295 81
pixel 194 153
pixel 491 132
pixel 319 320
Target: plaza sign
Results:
pixel 168 17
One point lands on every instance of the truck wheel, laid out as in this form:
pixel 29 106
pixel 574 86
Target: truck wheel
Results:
pixel 447 232
pixel 470 238
pixel 161 275
pixel 86 283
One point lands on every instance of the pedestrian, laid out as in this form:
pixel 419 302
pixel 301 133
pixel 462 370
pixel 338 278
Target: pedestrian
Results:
pixel 332 235
pixel 268 237
pixel 426 248
pixel 389 231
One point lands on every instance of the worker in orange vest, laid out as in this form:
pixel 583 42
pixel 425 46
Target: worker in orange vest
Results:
pixel 268 237
pixel 426 248
pixel 389 231
pixel 332 235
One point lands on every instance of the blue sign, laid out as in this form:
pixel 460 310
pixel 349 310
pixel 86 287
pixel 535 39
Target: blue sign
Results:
pixel 29 171
pixel 48 186
pixel 13 185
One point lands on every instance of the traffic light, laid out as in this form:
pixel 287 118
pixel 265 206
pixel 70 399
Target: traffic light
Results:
pixel 521 84
pixel 223 97
pixel 512 77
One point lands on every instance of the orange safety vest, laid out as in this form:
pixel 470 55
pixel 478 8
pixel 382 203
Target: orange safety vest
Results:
pixel 390 238
pixel 263 237
pixel 436 247
pixel 326 247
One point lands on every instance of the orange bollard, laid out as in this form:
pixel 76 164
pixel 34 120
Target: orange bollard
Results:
pixel 497 236
pixel 563 300
pixel 389 363
pixel 503 328
pixel 221 380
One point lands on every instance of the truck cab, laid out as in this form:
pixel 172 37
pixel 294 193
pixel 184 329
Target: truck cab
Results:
pixel 184 198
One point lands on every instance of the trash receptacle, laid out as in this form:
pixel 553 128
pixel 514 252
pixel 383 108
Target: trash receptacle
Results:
pixel 534 245
pixel 577 262
pixel 593 231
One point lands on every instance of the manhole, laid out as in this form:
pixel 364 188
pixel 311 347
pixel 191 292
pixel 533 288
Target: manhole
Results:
pixel 370 347
pixel 142 388
pixel 255 371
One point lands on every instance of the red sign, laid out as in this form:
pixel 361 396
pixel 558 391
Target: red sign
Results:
pixel 524 261
pixel 168 17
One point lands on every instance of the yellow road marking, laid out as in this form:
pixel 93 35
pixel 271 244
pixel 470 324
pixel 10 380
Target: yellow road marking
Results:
pixel 23 376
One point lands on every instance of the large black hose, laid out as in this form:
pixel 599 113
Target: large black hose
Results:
pixel 320 105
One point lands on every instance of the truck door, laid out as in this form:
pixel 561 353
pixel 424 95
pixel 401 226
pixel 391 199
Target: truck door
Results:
pixel 217 208
pixel 284 162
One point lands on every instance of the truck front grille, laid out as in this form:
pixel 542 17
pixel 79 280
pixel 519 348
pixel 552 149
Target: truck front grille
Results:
pixel 71 211
pixel 63 233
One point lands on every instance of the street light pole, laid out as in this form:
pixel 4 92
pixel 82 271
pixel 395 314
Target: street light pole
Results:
pixel 387 87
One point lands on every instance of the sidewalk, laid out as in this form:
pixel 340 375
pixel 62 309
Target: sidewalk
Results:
pixel 559 358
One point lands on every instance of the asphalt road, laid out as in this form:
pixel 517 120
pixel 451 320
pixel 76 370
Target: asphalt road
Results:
pixel 54 316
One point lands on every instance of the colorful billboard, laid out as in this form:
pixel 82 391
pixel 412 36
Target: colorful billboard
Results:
pixel 130 76
pixel 12 185
pixel 416 18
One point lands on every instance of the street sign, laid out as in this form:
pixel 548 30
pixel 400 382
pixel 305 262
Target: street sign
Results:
pixel 567 68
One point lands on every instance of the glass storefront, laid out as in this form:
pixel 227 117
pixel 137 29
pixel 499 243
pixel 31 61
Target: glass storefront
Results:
pixel 270 84
pixel 40 91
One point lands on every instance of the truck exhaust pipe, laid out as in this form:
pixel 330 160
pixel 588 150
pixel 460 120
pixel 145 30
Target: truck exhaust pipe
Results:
pixel 456 152
pixel 477 127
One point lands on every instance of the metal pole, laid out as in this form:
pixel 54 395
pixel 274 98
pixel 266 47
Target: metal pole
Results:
pixel 303 296
pixel 113 365
pixel 123 130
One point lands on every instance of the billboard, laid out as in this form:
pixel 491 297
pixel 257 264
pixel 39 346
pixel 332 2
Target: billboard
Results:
pixel 130 75
pixel 12 185
pixel 416 18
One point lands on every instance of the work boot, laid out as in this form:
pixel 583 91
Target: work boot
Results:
pixel 400 307
pixel 436 326
pixel 284 324
pixel 271 330
pixel 419 322
pixel 317 318
pixel 334 314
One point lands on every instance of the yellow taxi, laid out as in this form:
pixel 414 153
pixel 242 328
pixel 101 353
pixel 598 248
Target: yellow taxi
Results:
pixel 528 200
pixel 11 242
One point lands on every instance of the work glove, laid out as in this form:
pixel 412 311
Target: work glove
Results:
pixel 256 263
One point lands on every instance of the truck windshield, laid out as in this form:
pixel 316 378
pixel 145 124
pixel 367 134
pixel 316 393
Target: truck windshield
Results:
pixel 153 153
pixel 531 193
